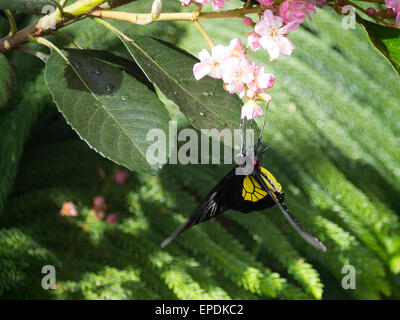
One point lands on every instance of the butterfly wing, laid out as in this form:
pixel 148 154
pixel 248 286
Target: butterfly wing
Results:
pixel 217 201
pixel 292 220
pixel 237 192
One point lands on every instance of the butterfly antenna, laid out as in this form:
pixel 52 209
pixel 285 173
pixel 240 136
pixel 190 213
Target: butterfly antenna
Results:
pixel 262 129
pixel 261 154
pixel 242 135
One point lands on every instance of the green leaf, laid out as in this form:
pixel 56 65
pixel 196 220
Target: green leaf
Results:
pixel 386 40
pixel 110 104
pixel 204 102
pixel 7 81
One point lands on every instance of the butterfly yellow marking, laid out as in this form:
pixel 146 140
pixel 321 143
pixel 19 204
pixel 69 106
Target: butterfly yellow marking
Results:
pixel 252 191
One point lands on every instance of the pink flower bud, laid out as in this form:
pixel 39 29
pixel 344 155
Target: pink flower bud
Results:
pixel 247 21
pixel 264 97
pixel 112 219
pixel 371 11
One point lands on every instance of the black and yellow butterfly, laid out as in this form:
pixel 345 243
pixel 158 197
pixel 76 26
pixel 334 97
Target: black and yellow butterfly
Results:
pixel 245 193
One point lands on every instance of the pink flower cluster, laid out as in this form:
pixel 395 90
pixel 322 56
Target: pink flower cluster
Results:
pixel 68 209
pixel 271 31
pixel 395 6
pixel 100 208
pixel 241 76
pixel 230 63
pixel 120 176
pixel 216 4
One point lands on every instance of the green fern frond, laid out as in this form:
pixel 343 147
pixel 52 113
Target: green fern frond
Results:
pixel 248 274
pixel 276 243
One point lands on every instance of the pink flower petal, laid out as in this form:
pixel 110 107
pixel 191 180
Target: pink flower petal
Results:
pixel 251 110
pixel 295 10
pixel 204 55
pixel 253 41
pixel 286 47
pixel 266 3
pixel 271 46
pixel 201 69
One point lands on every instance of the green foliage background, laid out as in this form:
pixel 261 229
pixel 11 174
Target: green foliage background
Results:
pixel 334 128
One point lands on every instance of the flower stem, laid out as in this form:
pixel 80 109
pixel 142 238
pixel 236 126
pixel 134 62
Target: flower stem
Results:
pixel 81 7
pixel 60 10
pixel 38 54
pixel 13 25
pixel 59 7
pixel 44 26
pixel 68 38
pixel 374 1
pixel 49 45
pixel 142 18
pixel 110 27
pixel 366 13
pixel 204 33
